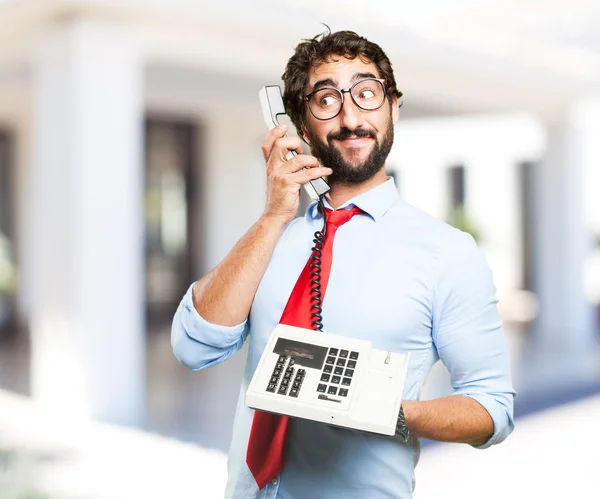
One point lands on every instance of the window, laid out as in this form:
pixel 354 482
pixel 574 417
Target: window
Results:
pixel 456 186
pixel 169 217
pixel 525 179
pixel 7 260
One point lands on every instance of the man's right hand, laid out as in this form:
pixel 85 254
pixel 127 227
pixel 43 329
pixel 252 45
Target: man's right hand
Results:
pixel 285 177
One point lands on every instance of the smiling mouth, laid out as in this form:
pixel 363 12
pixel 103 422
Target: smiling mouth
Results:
pixel 354 140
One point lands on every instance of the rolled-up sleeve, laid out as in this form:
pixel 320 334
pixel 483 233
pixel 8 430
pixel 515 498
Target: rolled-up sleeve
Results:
pixel 468 335
pixel 198 343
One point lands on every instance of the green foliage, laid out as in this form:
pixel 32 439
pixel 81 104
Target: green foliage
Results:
pixel 460 219
pixel 8 279
pixel 16 476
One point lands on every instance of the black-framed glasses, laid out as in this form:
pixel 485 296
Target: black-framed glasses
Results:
pixel 326 103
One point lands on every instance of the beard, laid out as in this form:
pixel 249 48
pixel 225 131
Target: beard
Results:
pixel 344 172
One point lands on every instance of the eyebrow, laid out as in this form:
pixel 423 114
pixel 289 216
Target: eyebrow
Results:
pixel 328 82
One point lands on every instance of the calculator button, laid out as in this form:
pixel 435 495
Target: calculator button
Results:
pixel 282 390
pixel 333 351
pixel 327 368
pixel 296 384
pixel 271 387
pixel 335 379
pixel 292 362
pixel 344 354
pixel 325 377
pixel 345 381
pixel 279 365
pixel 332 390
pixel 277 372
pixel 282 359
pixel 349 373
pixel 351 364
pixel 287 375
pixel 274 379
pixel 354 355
pixel 343 392
pixel 285 383
pixel 330 360
pixel 294 392
pixel 338 370
pixel 321 388
pixel 341 362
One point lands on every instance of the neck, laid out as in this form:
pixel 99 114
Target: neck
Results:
pixel 340 193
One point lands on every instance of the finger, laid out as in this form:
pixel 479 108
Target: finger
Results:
pixel 270 138
pixel 298 162
pixel 283 146
pixel 308 174
pixel 291 166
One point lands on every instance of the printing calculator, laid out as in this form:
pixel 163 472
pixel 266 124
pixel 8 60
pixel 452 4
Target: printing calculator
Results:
pixel 329 378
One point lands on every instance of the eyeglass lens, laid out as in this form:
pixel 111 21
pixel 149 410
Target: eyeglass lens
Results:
pixel 367 94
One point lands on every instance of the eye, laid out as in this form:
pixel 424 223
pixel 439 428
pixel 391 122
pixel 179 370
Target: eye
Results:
pixel 328 100
pixel 366 94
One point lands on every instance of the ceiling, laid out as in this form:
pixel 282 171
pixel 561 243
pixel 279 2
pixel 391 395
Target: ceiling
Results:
pixel 459 55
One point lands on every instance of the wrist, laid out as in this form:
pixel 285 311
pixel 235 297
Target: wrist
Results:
pixel 410 408
pixel 402 427
pixel 270 221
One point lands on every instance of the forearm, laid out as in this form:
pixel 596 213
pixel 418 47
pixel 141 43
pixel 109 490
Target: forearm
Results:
pixel 197 344
pixel 450 419
pixel 225 295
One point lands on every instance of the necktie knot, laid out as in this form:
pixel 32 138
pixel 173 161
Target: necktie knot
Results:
pixel 340 217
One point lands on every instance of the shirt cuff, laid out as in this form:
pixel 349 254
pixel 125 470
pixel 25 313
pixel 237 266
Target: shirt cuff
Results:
pixel 201 330
pixel 503 422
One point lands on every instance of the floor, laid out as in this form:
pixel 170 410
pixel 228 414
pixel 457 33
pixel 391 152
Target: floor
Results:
pixel 551 454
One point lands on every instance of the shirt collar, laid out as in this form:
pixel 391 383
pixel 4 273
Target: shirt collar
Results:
pixel 375 202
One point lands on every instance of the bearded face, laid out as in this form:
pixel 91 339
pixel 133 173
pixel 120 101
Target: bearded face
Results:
pixel 356 141
pixel 350 164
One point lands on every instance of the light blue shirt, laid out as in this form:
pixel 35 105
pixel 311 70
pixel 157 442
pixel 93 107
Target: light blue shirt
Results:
pixel 399 278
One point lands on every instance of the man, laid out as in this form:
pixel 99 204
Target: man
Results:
pixel 399 278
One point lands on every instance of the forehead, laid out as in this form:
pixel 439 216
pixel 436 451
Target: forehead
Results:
pixel 340 70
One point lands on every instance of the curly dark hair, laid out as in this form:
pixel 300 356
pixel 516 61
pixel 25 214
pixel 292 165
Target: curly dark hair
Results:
pixel 313 52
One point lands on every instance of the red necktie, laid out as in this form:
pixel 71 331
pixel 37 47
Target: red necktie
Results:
pixel 267 435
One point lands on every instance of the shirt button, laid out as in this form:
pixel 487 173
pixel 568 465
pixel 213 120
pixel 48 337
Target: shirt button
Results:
pixel 274 482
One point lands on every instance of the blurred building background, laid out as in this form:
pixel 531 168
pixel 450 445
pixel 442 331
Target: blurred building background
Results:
pixel 130 163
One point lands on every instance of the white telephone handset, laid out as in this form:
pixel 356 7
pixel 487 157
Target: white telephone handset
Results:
pixel 271 102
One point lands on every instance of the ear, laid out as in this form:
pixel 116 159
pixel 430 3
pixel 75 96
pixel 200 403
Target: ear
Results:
pixel 305 135
pixel 395 110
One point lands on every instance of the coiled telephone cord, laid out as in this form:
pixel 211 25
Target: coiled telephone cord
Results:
pixel 315 275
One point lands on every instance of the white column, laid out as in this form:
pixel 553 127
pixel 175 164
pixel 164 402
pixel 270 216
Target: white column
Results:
pixel 86 224
pixel 563 237
pixel 492 204
pixel 234 181
pixel 589 113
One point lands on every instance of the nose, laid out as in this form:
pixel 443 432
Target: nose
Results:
pixel 351 116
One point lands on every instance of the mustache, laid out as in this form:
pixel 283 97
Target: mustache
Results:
pixel 346 133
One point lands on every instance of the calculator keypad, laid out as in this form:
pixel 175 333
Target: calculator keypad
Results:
pixel 335 379
pixel 285 378
pixel 338 371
